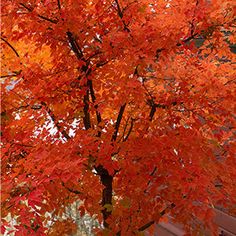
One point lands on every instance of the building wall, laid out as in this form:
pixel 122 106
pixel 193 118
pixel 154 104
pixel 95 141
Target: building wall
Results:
pixel 226 223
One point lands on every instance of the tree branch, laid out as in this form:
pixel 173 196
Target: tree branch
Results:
pixel 147 225
pixel 74 45
pixel 120 14
pixel 142 228
pixel 162 213
pixel 187 39
pixel 124 130
pixel 106 180
pixel 152 112
pixel 71 190
pixel 86 117
pixel 48 19
pixel 230 81
pixel 13 49
pixel 150 102
pixel 118 121
pixel 14 73
pixel 56 123
pixel 59 4
pixel 99 118
pixel 153 172
pixel 85 68
pixel 130 130
pixel 99 64
pixel 40 16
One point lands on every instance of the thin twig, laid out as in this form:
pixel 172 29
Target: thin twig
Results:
pixel 230 81
pixel 56 123
pixel 40 16
pixel 142 228
pixel 98 115
pixel 118 121
pixel 71 190
pixel 120 14
pixel 124 130
pixel 152 173
pixel 130 130
pixel 13 49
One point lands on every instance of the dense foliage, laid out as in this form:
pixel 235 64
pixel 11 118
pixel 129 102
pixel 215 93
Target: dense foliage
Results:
pixel 117 104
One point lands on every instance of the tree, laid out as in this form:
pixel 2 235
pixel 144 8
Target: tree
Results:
pixel 113 104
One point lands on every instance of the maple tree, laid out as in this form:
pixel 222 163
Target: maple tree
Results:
pixel 112 103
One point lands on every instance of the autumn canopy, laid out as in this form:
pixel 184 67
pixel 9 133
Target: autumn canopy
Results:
pixel 125 105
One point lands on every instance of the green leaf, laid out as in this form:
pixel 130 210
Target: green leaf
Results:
pixel 108 207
